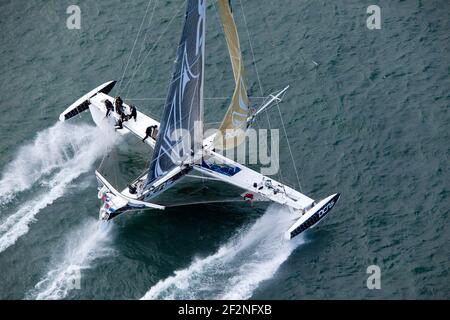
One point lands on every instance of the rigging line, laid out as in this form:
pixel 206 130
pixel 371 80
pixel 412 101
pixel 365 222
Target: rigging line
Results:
pixel 134 45
pixel 147 31
pixel 289 147
pixel 207 98
pixel 107 153
pixel 223 98
pixel 257 75
pixel 254 59
pixel 280 171
pixel 251 48
pixel 143 42
pixel 155 117
pixel 154 45
pixel 103 160
pixel 144 98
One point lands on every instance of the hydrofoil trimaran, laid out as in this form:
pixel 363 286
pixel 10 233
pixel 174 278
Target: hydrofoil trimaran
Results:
pixel 184 163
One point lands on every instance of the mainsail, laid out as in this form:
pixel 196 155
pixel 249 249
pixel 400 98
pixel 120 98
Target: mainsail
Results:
pixel 181 130
pixel 234 124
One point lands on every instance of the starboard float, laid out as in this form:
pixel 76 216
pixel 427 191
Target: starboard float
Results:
pixel 185 168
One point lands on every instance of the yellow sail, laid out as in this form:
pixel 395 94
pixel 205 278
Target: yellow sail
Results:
pixel 234 124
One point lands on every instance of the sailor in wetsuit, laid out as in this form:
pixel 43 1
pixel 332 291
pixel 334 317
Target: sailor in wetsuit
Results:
pixel 133 113
pixel 119 106
pixel 152 132
pixel 109 107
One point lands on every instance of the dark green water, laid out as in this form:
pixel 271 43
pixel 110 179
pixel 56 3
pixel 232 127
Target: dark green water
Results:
pixel 371 121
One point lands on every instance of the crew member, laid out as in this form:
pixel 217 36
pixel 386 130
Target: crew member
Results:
pixel 133 112
pixel 124 117
pixel 109 107
pixel 150 132
pixel 119 106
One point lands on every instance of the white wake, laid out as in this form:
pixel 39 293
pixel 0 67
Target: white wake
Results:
pixel 50 150
pixel 84 246
pixel 238 267
pixel 53 161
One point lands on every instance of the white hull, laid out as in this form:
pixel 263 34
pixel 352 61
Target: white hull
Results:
pixel 246 183
pixel 77 107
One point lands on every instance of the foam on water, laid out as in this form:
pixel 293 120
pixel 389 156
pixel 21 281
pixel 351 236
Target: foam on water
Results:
pixel 50 150
pixel 238 267
pixel 91 241
pixel 56 158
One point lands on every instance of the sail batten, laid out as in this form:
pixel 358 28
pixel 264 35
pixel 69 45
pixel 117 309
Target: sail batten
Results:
pixel 180 134
pixel 234 124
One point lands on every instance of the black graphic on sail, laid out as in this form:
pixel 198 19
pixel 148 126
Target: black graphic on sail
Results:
pixel 184 105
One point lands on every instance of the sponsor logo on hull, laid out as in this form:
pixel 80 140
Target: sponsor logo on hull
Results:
pixel 316 215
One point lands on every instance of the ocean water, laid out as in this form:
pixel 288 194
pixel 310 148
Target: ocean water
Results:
pixel 367 115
